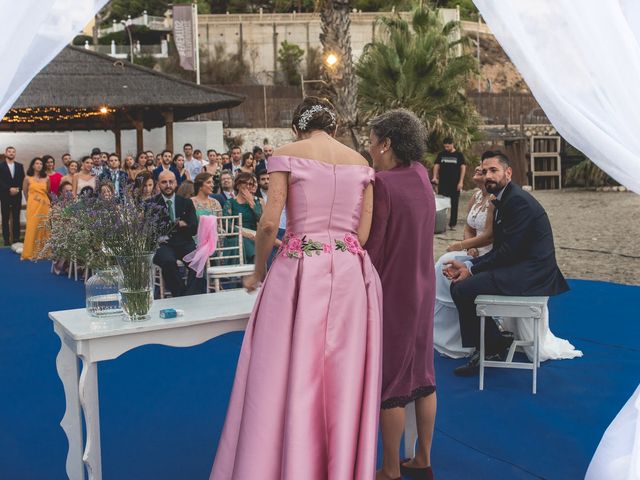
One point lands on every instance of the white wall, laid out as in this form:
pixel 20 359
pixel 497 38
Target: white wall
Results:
pixel 203 135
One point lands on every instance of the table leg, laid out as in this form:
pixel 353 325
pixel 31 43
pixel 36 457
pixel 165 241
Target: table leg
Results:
pixel 71 423
pixel 89 401
pixel 410 430
pixel 482 322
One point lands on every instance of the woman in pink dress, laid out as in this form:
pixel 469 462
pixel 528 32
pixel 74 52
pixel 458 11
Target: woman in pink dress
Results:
pixel 306 396
pixel 401 248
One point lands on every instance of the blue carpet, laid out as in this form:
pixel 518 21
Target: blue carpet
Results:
pixel 162 408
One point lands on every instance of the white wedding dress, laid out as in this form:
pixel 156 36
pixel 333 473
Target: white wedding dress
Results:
pixel 446 326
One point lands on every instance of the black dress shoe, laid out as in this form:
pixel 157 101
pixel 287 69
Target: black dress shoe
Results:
pixel 416 473
pixel 473 366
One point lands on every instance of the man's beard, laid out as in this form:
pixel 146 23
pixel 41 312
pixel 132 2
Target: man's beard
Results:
pixel 492 187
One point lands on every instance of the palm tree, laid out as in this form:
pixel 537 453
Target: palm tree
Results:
pixel 413 65
pixel 342 83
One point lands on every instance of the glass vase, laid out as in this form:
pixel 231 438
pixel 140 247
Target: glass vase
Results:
pixel 136 285
pixel 103 293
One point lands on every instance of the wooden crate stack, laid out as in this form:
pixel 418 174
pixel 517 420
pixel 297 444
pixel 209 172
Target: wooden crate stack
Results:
pixel 546 169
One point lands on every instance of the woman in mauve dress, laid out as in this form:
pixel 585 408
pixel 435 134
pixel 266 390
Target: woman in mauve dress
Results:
pixel 401 248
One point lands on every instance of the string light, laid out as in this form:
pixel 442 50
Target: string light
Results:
pixel 51 114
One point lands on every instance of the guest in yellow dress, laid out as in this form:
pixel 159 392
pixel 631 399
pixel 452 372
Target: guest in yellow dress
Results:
pixel 36 192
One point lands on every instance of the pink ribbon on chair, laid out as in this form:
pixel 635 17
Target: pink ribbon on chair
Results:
pixel 207 242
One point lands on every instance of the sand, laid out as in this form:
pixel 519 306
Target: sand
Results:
pixel 597 234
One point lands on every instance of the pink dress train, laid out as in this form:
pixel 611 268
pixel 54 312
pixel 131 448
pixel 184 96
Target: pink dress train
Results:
pixel 306 396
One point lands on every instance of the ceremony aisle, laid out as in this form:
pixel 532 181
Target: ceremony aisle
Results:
pixel 162 408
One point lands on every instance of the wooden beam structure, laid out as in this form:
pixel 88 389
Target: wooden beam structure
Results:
pixel 168 122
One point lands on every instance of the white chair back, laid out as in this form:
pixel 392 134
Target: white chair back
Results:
pixel 229 252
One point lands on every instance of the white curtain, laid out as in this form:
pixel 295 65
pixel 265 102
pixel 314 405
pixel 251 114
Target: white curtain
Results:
pixel 618 455
pixel 33 33
pixel 581 59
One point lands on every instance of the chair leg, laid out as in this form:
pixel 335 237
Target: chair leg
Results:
pixel 536 354
pixel 482 320
pixel 216 287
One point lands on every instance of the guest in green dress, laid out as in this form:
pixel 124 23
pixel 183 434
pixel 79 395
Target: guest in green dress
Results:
pixel 203 187
pixel 250 206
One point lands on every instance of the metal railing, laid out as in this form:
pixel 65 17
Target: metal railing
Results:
pixel 150 21
pixel 124 51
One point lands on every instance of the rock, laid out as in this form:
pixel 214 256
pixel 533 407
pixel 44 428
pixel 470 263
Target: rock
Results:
pixel 606 189
pixel 527 188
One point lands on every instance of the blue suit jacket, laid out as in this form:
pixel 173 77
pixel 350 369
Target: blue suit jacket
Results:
pixel 123 180
pixel 523 258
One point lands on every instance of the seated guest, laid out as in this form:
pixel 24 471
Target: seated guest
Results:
pixel 522 261
pixel 113 175
pixel 166 164
pixel 180 212
pixel 131 167
pixel 226 187
pixel 249 206
pixel 144 186
pixel 65 190
pixel 202 201
pixel 107 191
pixel 185 190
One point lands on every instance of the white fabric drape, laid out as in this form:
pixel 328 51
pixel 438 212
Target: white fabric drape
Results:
pixel 618 455
pixel 33 33
pixel 581 60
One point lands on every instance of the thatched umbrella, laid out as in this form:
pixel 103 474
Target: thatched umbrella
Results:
pixel 84 90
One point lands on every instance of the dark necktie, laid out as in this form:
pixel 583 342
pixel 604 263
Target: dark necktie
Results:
pixel 172 215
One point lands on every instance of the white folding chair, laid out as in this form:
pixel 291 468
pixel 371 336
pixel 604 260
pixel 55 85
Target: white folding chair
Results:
pixel 228 259
pixel 158 281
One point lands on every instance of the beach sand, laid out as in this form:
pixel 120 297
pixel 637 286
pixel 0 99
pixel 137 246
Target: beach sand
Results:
pixel 597 234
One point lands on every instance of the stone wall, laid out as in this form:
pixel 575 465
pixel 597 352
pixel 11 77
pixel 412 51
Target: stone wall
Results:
pixel 259 36
pixel 259 136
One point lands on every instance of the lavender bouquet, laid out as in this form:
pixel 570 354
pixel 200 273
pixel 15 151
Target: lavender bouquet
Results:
pixel 72 234
pixel 131 231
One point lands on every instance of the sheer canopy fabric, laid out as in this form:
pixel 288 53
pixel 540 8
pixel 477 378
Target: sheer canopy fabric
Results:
pixel 581 60
pixel 33 33
pixel 618 454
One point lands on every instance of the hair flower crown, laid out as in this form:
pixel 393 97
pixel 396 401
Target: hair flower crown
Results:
pixel 308 115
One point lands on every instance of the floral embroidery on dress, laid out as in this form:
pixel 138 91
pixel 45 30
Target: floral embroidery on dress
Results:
pixel 295 247
pixel 350 244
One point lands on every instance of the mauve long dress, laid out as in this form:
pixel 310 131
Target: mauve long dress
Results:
pixel 401 248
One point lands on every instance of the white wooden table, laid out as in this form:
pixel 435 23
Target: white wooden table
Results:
pixel 93 340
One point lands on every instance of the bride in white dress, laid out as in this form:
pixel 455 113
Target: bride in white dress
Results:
pixel 477 241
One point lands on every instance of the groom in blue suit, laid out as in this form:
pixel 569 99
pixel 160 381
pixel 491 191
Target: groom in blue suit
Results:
pixel 521 263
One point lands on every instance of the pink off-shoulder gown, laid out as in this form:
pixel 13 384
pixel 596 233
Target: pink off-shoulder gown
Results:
pixel 306 396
